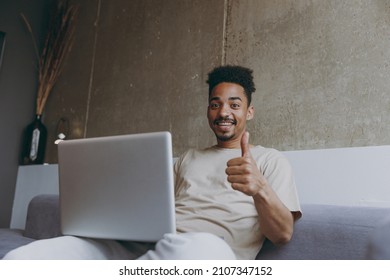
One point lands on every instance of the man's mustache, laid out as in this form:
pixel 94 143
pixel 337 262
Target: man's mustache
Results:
pixel 217 121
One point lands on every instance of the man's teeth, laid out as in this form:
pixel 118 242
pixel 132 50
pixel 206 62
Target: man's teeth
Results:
pixel 224 122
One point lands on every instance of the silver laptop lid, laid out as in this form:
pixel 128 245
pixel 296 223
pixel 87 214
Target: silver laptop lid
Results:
pixel 117 187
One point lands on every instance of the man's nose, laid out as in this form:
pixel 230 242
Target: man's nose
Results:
pixel 224 111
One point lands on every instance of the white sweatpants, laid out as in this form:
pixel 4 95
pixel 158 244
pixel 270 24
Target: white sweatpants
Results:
pixel 184 246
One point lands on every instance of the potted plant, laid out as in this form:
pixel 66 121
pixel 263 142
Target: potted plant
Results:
pixel 58 43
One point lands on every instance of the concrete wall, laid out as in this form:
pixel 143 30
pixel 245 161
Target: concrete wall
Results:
pixel 321 70
pixel 140 66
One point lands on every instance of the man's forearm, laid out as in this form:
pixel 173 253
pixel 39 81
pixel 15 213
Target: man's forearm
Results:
pixel 276 220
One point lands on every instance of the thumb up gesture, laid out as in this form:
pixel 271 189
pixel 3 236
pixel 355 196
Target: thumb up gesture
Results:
pixel 245 149
pixel 243 173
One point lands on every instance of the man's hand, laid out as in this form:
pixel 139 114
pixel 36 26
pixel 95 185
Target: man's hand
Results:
pixel 276 221
pixel 243 173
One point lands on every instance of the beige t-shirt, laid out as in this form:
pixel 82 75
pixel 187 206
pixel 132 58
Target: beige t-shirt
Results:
pixel 206 202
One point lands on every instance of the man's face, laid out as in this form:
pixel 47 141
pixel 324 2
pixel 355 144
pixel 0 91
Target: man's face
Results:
pixel 227 113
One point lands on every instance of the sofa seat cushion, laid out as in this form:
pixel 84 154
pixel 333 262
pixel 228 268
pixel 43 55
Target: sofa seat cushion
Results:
pixel 328 232
pixel 379 242
pixel 11 239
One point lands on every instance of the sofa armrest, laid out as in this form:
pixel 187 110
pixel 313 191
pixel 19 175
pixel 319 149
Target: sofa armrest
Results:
pixel 43 217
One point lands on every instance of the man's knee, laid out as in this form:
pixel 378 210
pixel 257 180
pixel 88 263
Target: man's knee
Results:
pixel 64 248
pixel 193 245
pixel 40 249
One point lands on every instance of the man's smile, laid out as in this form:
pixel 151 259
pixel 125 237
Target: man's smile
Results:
pixel 224 124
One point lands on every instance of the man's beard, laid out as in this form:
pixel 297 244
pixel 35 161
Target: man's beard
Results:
pixel 222 137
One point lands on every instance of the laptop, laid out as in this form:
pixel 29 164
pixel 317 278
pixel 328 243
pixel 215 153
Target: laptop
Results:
pixel 117 187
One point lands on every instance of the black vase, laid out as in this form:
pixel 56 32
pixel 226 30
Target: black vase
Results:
pixel 34 143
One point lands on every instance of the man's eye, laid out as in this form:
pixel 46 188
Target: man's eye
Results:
pixel 235 105
pixel 214 105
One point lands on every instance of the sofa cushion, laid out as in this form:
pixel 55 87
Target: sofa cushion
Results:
pixel 329 232
pixel 43 217
pixel 11 239
pixel 379 242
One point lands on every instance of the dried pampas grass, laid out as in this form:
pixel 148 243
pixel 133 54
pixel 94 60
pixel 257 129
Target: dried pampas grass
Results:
pixel 58 43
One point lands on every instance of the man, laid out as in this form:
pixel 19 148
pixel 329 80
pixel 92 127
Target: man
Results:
pixel 234 190
pixel 229 197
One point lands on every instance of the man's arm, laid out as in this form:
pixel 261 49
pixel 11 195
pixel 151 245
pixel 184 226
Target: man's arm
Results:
pixel 276 220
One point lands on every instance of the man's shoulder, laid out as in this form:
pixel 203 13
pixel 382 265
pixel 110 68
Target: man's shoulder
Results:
pixel 258 149
pixel 267 154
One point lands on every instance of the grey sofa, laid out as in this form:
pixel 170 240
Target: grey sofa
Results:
pixel 328 232
pixel 42 221
pixel 324 232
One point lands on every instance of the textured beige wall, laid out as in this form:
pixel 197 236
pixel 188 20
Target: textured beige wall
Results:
pixel 321 68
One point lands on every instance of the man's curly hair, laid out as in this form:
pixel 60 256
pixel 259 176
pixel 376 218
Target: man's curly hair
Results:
pixel 232 74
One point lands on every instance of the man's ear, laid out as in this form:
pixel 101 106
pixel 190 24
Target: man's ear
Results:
pixel 250 113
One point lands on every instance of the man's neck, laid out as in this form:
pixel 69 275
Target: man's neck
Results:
pixel 233 144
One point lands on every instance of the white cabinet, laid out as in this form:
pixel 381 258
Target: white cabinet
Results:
pixel 31 181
